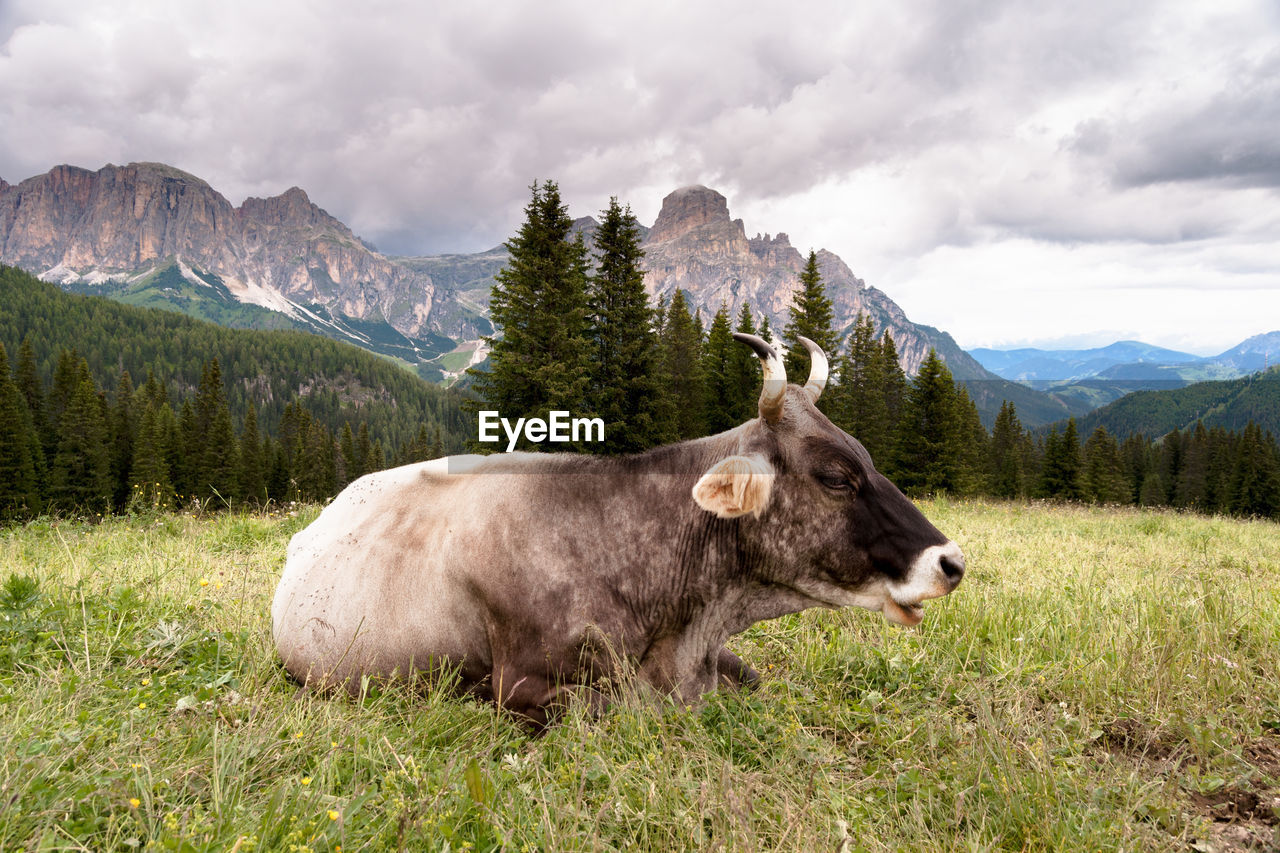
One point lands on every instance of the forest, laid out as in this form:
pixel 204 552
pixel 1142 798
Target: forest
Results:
pixel 104 406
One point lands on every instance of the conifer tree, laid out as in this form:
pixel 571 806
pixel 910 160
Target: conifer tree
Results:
pixel 19 493
pixel 27 377
pixel 930 441
pixel 682 366
pixel 251 475
pixel 1102 478
pixel 217 471
pixel 541 360
pixel 812 317
pixel 124 428
pixel 626 389
pixel 80 477
pixel 149 478
pixel 436 449
pixel 861 404
pixel 892 383
pixel 744 370
pixel 1006 473
pixel 1192 489
pixel 367 458
pixel 721 398
pixel 348 470
pixel 1060 475
pixel 1255 485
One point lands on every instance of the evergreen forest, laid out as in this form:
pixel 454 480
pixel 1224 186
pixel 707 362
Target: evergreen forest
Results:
pixel 104 405
pixel 579 332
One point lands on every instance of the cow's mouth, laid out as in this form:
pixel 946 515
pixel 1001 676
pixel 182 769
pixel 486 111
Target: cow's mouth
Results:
pixel 903 614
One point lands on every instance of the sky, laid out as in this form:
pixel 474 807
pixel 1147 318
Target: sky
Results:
pixel 1015 173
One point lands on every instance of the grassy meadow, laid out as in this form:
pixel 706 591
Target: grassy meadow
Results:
pixel 1103 679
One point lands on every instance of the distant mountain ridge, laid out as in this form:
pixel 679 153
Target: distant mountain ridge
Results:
pixel 116 230
pixel 1131 360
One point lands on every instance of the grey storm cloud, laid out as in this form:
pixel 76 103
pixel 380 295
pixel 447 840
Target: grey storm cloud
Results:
pixel 885 131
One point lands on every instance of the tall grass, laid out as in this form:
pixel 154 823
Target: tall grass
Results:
pixel 1102 680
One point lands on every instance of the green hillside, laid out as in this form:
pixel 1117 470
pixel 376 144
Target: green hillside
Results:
pixel 1229 404
pixel 338 383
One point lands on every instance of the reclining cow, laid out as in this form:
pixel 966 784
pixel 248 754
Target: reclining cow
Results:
pixel 534 574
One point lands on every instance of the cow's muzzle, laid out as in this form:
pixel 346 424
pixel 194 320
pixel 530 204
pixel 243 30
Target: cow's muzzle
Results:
pixel 935 572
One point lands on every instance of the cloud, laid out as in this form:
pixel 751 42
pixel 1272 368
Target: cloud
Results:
pixel 890 132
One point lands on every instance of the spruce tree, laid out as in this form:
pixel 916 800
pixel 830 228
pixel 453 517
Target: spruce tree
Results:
pixel 149 479
pixel 930 441
pixel 252 473
pixel 1006 472
pixel 27 377
pixel 892 383
pixel 541 360
pixel 744 370
pixel 812 317
pixel 1060 476
pixel 721 398
pixel 124 428
pixel 1102 478
pixel 80 477
pixel 1255 485
pixel 626 389
pixel 19 494
pixel 682 369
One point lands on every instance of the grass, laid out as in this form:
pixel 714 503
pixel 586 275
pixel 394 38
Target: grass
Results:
pixel 1102 680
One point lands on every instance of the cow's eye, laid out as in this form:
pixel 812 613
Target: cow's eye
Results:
pixel 835 481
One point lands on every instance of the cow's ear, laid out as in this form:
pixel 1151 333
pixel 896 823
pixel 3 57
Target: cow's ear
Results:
pixel 735 486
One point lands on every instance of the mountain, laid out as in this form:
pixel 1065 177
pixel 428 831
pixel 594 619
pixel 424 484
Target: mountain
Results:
pixel 1257 353
pixel 1087 379
pixel 154 235
pixel 338 383
pixel 151 235
pixel 1031 364
pixel 1230 404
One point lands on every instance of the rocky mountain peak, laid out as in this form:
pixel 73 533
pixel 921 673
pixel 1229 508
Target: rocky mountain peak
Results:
pixel 688 208
pixel 291 208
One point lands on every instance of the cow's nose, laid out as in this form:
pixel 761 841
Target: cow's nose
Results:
pixel 953 567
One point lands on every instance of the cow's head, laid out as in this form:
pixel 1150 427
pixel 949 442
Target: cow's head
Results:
pixel 821 521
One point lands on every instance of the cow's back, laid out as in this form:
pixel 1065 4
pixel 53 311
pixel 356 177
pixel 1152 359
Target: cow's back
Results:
pixel 377 583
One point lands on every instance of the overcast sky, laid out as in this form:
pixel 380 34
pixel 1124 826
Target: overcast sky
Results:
pixel 1009 174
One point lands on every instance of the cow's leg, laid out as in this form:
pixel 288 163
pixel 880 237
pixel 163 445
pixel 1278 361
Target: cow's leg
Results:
pixel 734 672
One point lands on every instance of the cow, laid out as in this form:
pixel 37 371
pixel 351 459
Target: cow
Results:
pixel 536 576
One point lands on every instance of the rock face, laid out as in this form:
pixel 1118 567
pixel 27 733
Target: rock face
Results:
pixel 695 245
pixel 73 225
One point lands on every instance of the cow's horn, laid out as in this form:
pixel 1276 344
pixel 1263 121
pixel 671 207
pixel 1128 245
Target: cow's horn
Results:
pixel 775 376
pixel 817 368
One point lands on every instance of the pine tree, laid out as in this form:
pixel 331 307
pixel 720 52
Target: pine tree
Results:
pixel 80 477
pixel 541 361
pixel 1102 478
pixel 1255 485
pixel 974 444
pixel 251 475
pixel 436 450
pixel 124 427
pixel 149 478
pixel 1006 473
pixel 626 388
pixel 27 377
pixel 812 317
pixel 744 370
pixel 721 399
pixel 860 405
pixel 893 386
pixel 1060 475
pixel 19 495
pixel 682 367
pixel 349 470
pixel 930 441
